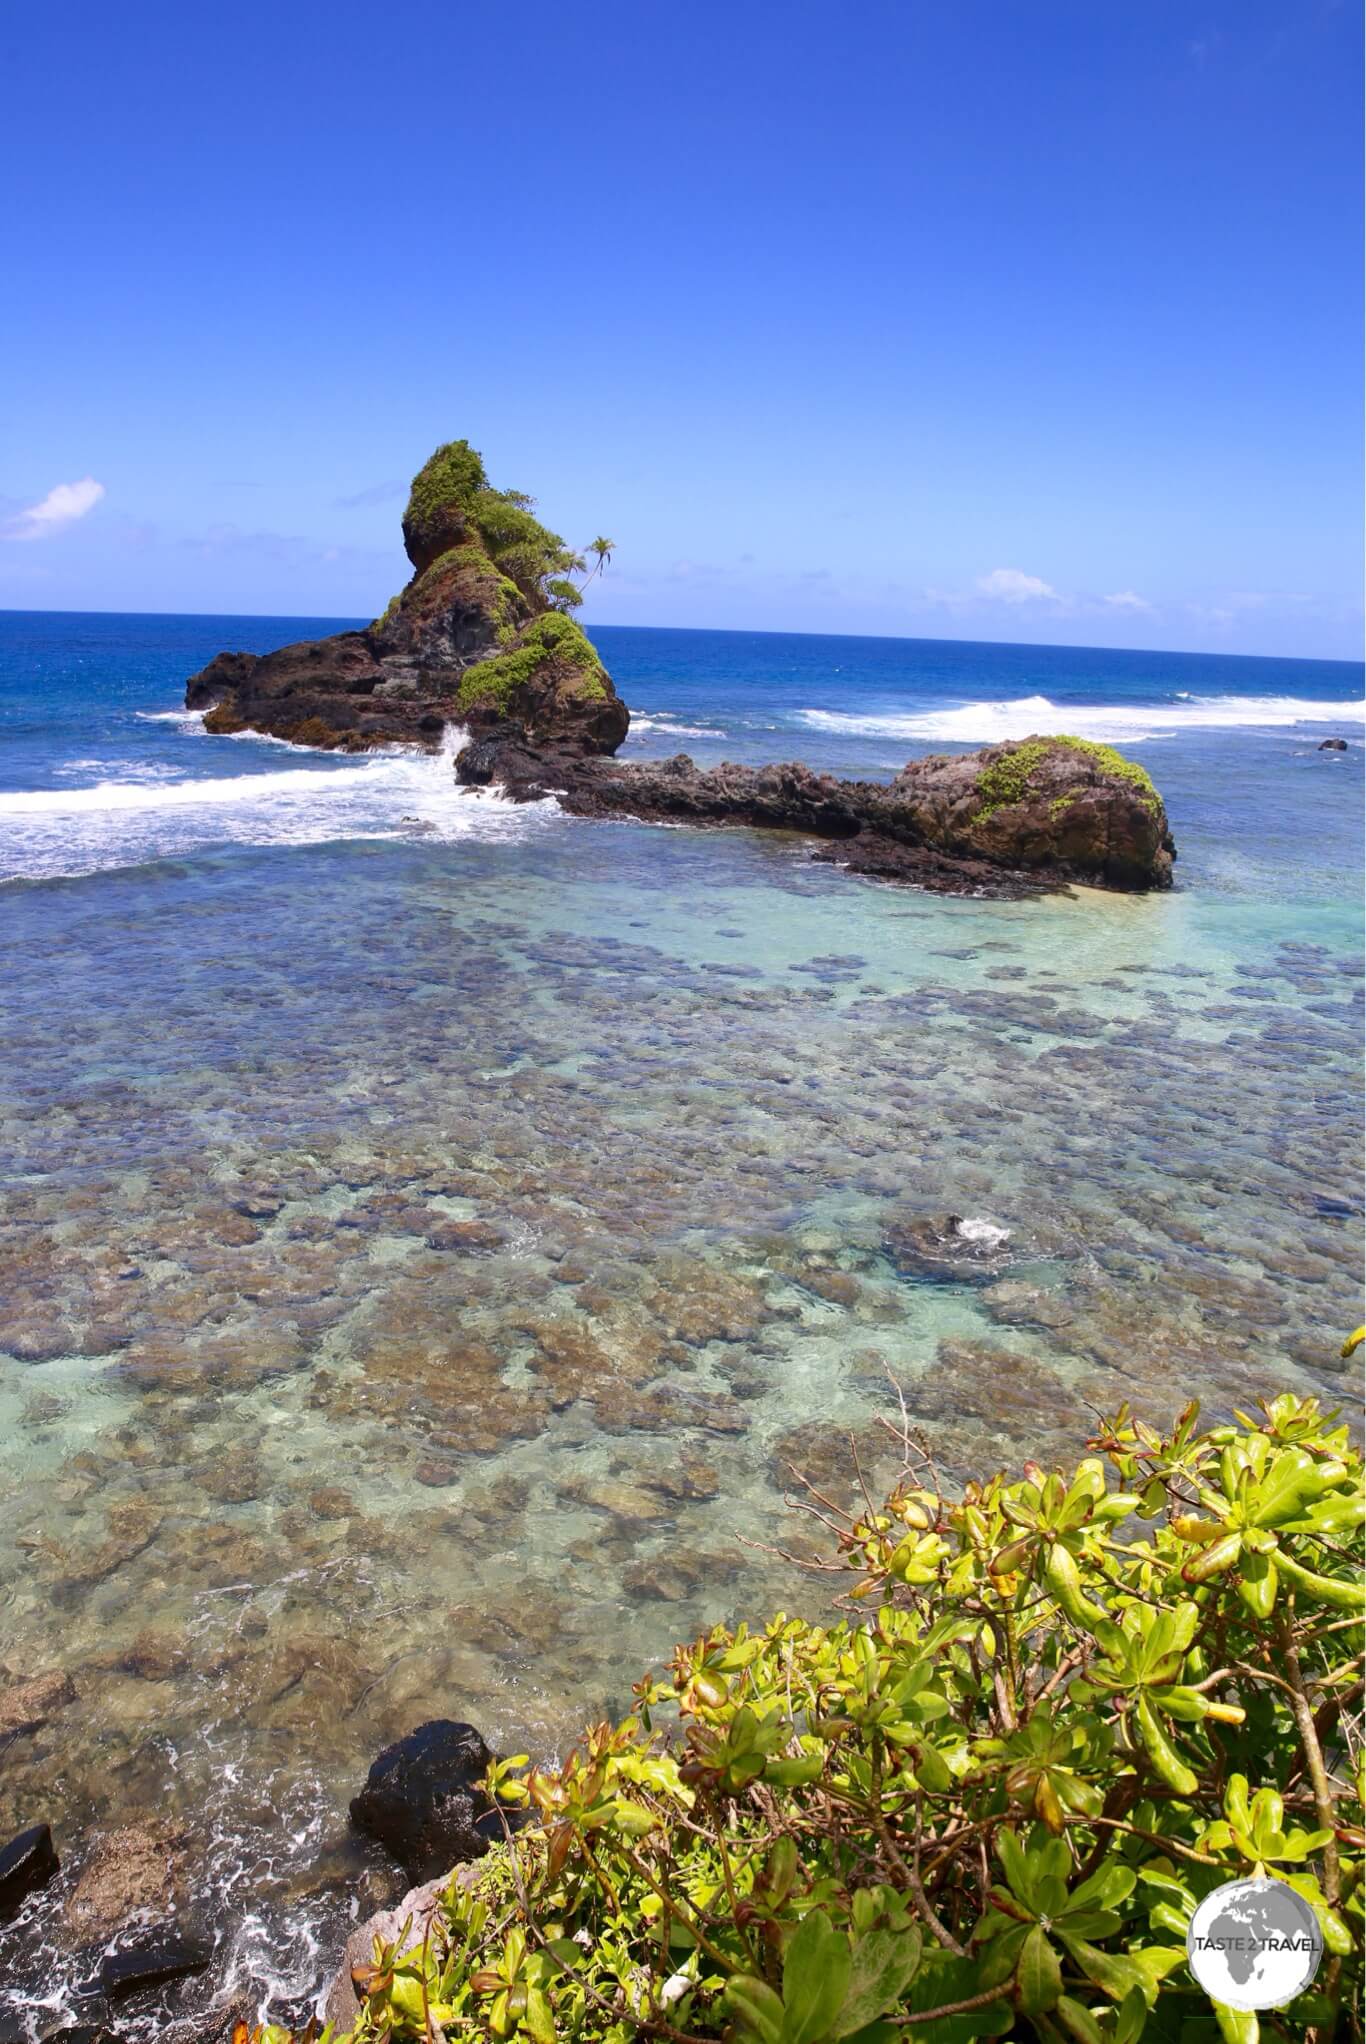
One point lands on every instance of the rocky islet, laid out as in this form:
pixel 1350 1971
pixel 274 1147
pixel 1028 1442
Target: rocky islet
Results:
pixel 482 638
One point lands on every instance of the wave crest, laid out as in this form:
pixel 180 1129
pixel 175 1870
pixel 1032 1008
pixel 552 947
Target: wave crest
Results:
pixel 990 723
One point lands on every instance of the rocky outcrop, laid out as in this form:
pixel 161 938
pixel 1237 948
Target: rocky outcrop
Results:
pixel 154 1959
pixel 423 1799
pixel 948 1248
pixel 481 635
pixel 1012 819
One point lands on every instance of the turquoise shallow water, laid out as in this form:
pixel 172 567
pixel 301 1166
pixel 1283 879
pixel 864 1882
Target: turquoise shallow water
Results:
pixel 433 1231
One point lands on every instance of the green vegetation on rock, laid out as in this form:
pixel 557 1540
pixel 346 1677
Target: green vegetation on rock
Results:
pixel 1006 780
pixel 1062 1709
pixel 1113 763
pixel 549 639
pixel 1009 778
pixel 454 479
pixel 452 476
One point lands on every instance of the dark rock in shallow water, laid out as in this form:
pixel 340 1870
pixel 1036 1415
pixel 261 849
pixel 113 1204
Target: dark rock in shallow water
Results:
pixel 423 1801
pixel 157 1958
pixel 27 1862
pixel 1333 745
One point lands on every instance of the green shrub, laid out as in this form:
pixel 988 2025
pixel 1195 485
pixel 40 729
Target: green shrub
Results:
pixel 1062 1709
pixel 452 475
pixel 549 639
pixel 523 549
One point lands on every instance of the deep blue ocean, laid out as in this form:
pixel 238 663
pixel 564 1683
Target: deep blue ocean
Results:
pixel 432 1229
pixel 100 766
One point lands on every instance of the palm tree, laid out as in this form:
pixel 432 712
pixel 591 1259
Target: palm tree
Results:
pixel 603 548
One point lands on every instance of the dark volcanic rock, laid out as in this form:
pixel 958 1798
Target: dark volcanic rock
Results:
pixel 1012 819
pixel 423 1801
pixel 27 1862
pixel 477 638
pixel 158 1957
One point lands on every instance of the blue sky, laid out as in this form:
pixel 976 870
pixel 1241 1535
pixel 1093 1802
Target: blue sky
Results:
pixel 959 318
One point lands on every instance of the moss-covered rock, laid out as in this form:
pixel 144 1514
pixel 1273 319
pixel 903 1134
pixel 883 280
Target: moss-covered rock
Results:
pixel 549 645
pixel 479 636
pixel 438 501
pixel 1065 803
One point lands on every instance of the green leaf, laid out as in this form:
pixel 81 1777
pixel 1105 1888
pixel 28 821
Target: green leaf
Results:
pixel 1039 1973
pixel 794 1773
pixel 1113 1972
pixel 754 2006
pixel 1131 2017
pixel 816 1967
pixel 945 1979
pixel 884 1964
pixel 1237 2026
pixel 1079 2021
pixel 539 2019
pixel 1106 1889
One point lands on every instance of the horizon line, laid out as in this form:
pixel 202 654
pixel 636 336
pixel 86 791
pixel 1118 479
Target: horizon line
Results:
pixel 741 632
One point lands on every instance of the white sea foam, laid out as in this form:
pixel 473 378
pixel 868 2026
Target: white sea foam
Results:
pixel 988 723
pixel 45 832
pixel 188 720
pixel 977 1228
pixel 661 721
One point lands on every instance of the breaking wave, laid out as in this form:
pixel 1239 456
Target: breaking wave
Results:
pixel 670 726
pixel 988 723
pixel 46 833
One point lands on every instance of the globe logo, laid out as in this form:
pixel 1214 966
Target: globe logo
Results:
pixel 1254 1944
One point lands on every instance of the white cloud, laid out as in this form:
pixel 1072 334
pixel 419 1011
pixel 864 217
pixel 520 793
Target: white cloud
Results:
pixel 63 505
pixel 1127 599
pixel 1012 585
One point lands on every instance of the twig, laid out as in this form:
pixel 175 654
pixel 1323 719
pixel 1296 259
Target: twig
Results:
pixel 955 2008
pixel 924 1908
pixel 1313 1755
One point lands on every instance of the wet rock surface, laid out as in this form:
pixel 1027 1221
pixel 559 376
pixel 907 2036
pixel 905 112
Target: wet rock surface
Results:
pixel 27 1706
pixel 949 1248
pixel 423 1802
pixel 29 1861
pixel 153 1959
pixel 135 1870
